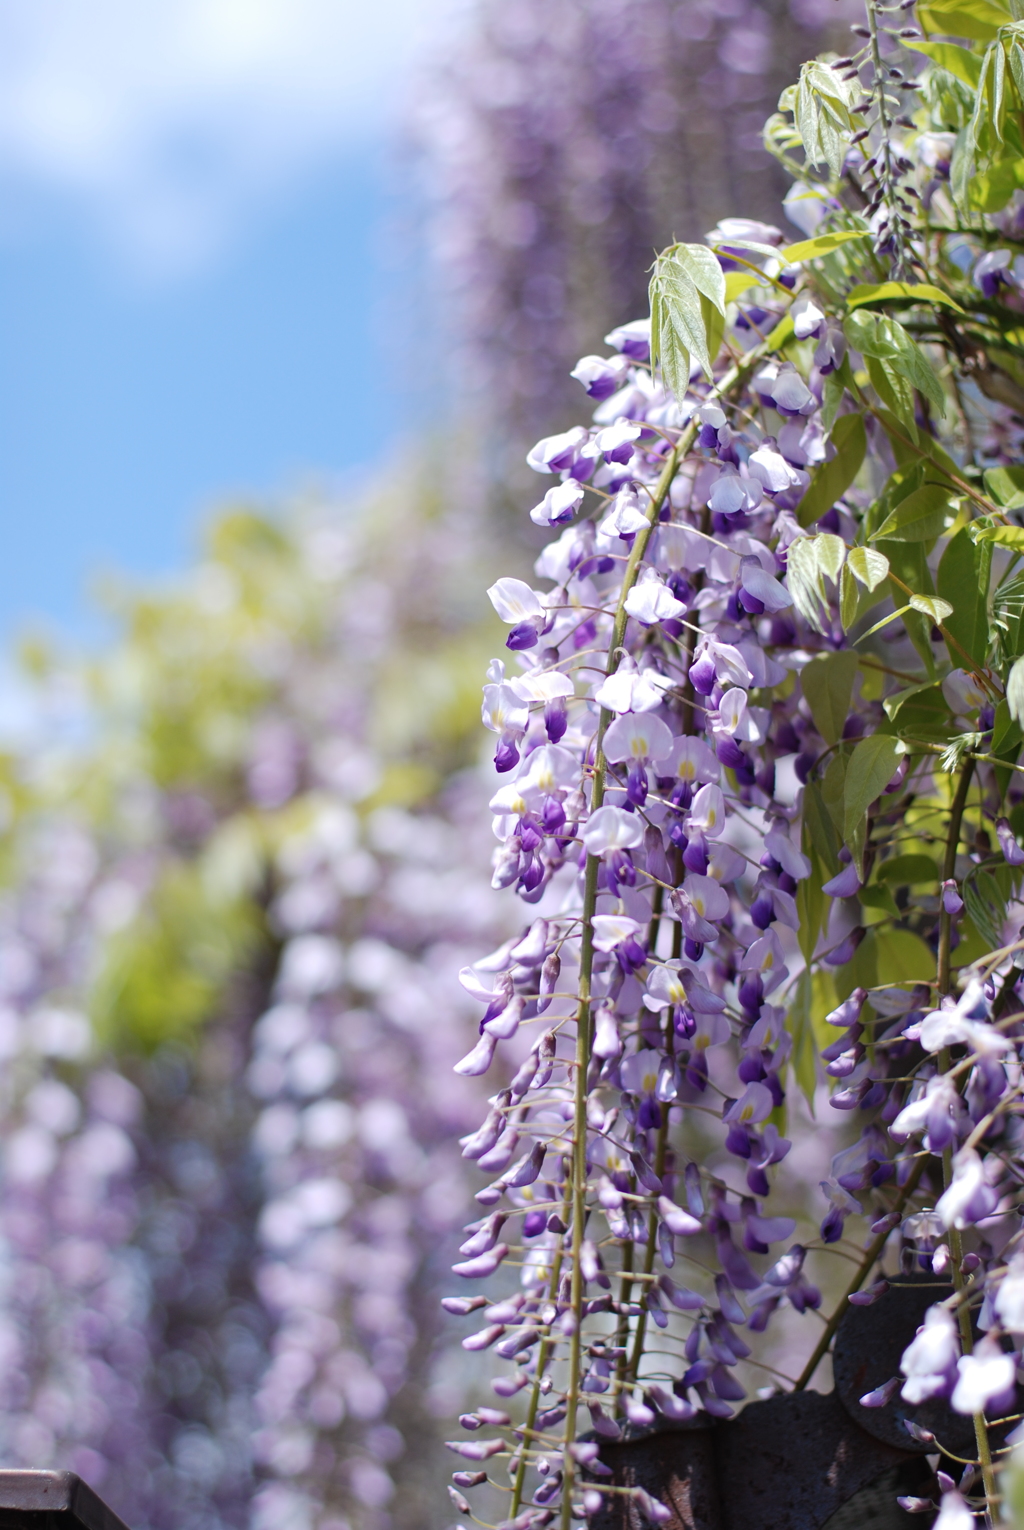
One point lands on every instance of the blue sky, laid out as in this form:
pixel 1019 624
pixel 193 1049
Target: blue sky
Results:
pixel 192 272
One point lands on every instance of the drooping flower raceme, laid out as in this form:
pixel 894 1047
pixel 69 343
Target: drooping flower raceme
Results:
pixel 781 800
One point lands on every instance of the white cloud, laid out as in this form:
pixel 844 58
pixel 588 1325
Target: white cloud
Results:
pixel 164 121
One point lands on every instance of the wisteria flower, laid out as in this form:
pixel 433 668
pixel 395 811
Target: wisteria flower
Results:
pixel 559 504
pixel 556 453
pixel 632 340
pixel 985 1379
pixel 517 604
pixel 1009 1298
pixel 772 470
pixel 763 592
pixel 954 1513
pixel 935 1111
pixel 645 1076
pixel 970 1197
pixel 735 493
pixel 701 902
pixel 651 601
pixel 929 1361
pixel 601 375
pixel 615 933
pixel 807 316
pixel 631 689
pixel 692 762
pixel 1012 852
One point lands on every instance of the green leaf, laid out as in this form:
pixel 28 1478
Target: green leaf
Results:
pixel 813 997
pixel 1006 732
pixel 892 385
pixel 810 900
pixel 986 905
pixel 963 581
pixel 908 870
pixel 1006 743
pixel 833 393
pixel 921 517
pixel 804 1056
pixel 1006 486
pixel 903 957
pixel 833 793
pixel 819 831
pixel 827 684
pixel 904 365
pixel 872 766
pixel 898 292
pixel 910 564
pixel 957 61
pixel 894 703
pixel 831 480
pixel 926 715
pixel 807 249
pixel 868 566
pixel 879 897
pixel 914 453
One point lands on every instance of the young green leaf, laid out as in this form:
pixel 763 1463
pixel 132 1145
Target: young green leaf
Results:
pixel 809 560
pixel 687 304
pixel 868 566
pixel 807 249
pixel 978 19
pixel 1005 536
pixel 822 111
pixel 899 292
pixel 930 606
pixel 958 61
pixel 1015 691
pixel 849 598
pixel 831 554
pixel 879 896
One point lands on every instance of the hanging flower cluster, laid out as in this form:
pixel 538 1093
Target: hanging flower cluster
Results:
pixel 757 734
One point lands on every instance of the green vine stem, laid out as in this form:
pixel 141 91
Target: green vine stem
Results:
pixel 584 1019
